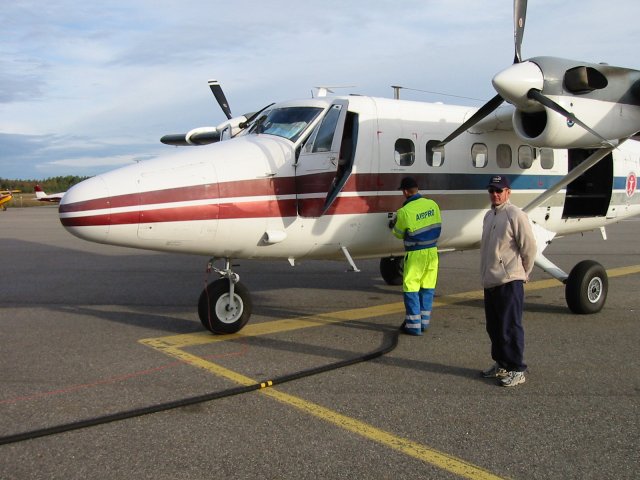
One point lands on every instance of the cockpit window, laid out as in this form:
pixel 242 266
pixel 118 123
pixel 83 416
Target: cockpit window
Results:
pixel 287 122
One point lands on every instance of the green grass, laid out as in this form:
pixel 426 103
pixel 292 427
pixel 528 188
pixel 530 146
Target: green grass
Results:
pixel 23 200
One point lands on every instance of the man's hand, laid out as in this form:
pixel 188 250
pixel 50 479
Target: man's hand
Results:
pixel 392 220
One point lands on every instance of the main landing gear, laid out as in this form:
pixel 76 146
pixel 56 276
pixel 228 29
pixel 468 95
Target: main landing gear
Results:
pixel 586 286
pixel 225 304
pixel 391 269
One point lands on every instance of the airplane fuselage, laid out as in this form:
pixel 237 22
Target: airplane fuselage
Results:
pixel 333 182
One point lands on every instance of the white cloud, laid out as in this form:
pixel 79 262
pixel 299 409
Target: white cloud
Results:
pixel 86 80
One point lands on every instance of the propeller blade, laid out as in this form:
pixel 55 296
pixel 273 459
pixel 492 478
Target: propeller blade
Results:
pixel 222 100
pixel 519 18
pixel 547 102
pixel 485 110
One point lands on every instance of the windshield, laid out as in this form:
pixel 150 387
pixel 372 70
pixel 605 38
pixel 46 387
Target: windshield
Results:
pixel 287 122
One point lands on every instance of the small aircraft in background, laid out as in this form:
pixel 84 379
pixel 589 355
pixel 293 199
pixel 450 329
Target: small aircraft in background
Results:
pixel 318 178
pixel 42 196
pixel 5 197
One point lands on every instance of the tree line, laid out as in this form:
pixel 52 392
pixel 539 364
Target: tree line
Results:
pixel 49 185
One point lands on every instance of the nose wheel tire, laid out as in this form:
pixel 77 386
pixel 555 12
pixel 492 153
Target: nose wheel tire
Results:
pixel 221 314
pixel 586 288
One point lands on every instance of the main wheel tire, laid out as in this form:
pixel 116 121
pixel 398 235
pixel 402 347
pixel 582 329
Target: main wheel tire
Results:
pixel 216 312
pixel 587 287
pixel 391 269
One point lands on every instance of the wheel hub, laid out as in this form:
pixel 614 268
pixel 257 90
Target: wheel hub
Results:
pixel 227 311
pixel 594 290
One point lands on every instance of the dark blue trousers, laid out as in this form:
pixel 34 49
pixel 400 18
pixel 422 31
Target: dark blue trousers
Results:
pixel 503 306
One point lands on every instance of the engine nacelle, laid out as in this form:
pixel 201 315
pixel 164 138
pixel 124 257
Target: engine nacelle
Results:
pixel 546 128
pixel 206 135
pixel 202 136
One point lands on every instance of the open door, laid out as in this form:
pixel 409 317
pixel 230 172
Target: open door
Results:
pixel 325 160
pixel 589 194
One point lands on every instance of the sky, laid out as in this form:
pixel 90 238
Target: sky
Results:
pixel 86 87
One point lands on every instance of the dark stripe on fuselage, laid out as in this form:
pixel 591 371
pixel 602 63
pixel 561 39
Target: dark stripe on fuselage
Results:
pixel 367 185
pixel 367 182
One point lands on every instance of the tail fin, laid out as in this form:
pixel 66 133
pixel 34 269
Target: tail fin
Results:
pixel 39 192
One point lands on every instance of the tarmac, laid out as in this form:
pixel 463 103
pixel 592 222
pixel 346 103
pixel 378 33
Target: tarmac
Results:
pixel 88 331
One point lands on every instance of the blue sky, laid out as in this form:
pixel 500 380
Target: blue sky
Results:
pixel 86 87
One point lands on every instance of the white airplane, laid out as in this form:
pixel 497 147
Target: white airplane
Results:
pixel 42 196
pixel 317 178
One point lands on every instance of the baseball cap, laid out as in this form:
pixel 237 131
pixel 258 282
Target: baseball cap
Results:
pixel 499 181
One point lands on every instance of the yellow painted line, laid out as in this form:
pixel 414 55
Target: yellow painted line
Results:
pixel 428 455
pixel 618 272
pixel 278 326
pixel 413 449
pixel 173 345
pixel 209 366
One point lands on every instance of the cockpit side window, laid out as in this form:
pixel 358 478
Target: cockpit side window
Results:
pixel 322 139
pixel 288 122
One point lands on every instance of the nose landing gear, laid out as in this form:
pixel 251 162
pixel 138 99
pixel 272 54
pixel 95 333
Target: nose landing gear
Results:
pixel 225 304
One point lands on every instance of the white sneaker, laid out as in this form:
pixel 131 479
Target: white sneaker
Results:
pixel 512 379
pixel 494 371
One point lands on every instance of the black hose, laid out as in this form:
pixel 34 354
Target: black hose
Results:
pixel 390 343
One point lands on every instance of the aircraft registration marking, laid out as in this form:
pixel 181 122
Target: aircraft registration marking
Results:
pixel 174 346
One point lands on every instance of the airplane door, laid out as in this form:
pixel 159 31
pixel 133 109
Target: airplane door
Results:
pixel 589 194
pixel 321 162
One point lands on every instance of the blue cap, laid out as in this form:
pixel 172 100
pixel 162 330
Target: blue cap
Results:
pixel 499 181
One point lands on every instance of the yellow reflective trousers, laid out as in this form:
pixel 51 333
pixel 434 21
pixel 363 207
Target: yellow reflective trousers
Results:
pixel 420 269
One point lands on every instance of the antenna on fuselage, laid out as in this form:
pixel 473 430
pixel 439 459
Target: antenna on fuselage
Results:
pixel 396 91
pixel 322 91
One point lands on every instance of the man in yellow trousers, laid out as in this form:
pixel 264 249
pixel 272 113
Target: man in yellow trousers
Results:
pixel 418 223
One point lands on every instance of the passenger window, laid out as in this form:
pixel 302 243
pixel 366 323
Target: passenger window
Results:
pixel 525 156
pixel 479 157
pixel 435 154
pixel 546 158
pixel 405 152
pixel 504 156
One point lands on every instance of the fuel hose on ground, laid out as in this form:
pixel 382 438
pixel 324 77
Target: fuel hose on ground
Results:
pixel 390 341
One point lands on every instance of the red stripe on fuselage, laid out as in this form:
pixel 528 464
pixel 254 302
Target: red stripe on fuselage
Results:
pixel 371 203
pixel 261 209
pixel 242 188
